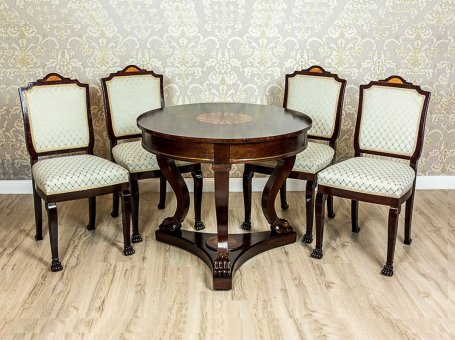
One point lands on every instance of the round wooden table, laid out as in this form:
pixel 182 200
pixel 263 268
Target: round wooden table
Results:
pixel 223 134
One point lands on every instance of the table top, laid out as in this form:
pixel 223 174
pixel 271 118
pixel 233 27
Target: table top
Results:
pixel 224 122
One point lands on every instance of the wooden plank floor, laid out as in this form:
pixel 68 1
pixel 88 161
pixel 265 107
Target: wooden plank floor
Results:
pixel 163 292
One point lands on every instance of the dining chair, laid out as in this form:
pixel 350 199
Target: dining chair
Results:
pixel 319 94
pixel 390 123
pixel 57 121
pixel 127 94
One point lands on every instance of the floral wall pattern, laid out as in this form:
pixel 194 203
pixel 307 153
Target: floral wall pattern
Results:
pixel 230 50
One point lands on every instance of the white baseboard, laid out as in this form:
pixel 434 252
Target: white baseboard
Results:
pixel 235 184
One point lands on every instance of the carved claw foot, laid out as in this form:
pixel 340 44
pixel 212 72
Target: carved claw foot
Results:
pixel 408 241
pixel 136 238
pixel 170 224
pixel 128 250
pixel 246 225
pixel 316 254
pixel 199 225
pixel 307 238
pixel 56 266
pixel 387 270
pixel 114 214
pixel 38 237
pixel 89 227
pixel 222 264
pixel 281 226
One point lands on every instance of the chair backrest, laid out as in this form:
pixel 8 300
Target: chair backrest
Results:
pixel 391 119
pixel 56 113
pixel 127 94
pixel 319 94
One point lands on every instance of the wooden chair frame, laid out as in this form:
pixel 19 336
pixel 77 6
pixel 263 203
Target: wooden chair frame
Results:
pixel 54 79
pixel 194 169
pixel 311 178
pixel 393 203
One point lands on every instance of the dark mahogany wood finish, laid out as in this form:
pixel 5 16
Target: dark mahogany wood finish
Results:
pixel 223 134
pixel 311 178
pixel 54 79
pixel 394 203
pixel 194 169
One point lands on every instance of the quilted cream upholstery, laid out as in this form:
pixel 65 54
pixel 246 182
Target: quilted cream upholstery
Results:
pixel 58 117
pixel 314 158
pixel 76 173
pixel 132 156
pixel 129 97
pixel 317 97
pixel 390 119
pixel 369 175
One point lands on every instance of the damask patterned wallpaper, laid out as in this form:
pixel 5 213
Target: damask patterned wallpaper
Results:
pixel 230 50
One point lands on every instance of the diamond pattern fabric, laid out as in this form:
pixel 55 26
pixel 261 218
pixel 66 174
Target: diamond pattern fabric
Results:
pixel 317 97
pixel 58 117
pixel 129 97
pixel 76 173
pixel 369 175
pixel 314 158
pixel 390 119
pixel 132 156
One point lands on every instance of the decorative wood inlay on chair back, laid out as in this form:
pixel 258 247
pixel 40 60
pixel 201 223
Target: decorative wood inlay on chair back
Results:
pixel 391 118
pixel 128 94
pixel 56 115
pixel 319 94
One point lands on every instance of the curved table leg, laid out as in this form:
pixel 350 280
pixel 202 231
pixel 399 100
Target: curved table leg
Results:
pixel 273 185
pixel 175 179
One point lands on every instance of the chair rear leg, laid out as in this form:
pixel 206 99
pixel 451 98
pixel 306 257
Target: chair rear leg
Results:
pixel 126 210
pixel 355 216
pixel 38 214
pixel 330 211
pixel 91 213
pixel 115 204
pixel 310 194
pixel 284 202
pixel 408 218
pixel 135 210
pixel 162 202
pixel 391 240
pixel 53 236
pixel 198 183
pixel 320 207
pixel 247 189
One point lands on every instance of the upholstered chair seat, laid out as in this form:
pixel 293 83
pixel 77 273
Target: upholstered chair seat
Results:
pixel 76 173
pixel 315 157
pixel 133 157
pixel 369 175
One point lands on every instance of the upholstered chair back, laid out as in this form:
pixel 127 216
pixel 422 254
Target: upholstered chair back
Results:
pixel 56 114
pixel 318 94
pixel 391 113
pixel 128 94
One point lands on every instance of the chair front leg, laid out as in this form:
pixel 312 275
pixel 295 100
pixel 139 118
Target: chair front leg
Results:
pixel 38 213
pixel 51 208
pixel 283 200
pixel 198 183
pixel 320 207
pixel 91 213
pixel 391 240
pixel 162 202
pixel 408 218
pixel 355 216
pixel 126 210
pixel 247 190
pixel 330 211
pixel 310 194
pixel 135 210
pixel 115 204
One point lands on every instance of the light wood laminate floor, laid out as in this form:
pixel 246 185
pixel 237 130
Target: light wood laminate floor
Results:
pixel 165 292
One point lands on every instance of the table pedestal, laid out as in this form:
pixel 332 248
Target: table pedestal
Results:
pixel 224 253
